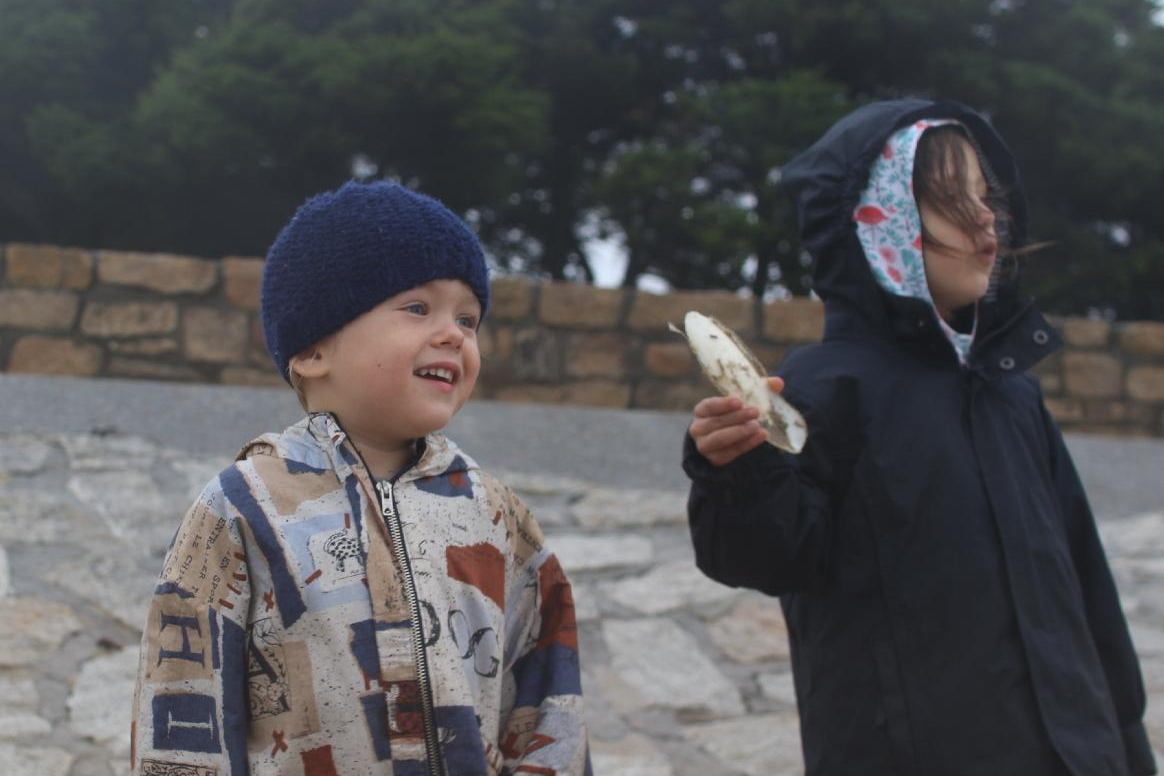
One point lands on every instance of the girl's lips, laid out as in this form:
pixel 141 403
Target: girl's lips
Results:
pixel 988 252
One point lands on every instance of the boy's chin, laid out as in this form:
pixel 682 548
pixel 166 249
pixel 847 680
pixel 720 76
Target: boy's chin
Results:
pixel 428 423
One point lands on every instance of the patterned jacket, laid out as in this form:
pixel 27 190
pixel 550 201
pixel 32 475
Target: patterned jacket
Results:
pixel 310 621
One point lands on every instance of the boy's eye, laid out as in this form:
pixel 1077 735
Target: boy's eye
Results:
pixel 415 308
pixel 468 321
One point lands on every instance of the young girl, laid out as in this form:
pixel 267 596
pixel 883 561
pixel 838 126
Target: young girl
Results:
pixel 949 606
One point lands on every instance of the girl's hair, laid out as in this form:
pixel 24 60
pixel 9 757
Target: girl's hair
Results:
pixel 941 180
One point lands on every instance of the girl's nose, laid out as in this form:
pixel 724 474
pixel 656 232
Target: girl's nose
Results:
pixel 986 215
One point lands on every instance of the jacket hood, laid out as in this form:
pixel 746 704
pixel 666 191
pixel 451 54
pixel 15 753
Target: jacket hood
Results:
pixel 889 227
pixel 828 179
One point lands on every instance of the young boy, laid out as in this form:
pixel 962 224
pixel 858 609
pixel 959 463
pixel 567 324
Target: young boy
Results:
pixel 354 595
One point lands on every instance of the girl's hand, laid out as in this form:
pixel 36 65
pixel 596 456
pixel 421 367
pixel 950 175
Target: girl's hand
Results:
pixel 724 429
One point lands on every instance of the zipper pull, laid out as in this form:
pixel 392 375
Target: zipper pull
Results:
pixel 387 502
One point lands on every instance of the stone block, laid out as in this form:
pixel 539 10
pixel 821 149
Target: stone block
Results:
pixel 593 393
pixel 97 710
pixel 1108 411
pixel 146 346
pixel 580 306
pixel 1050 373
pixel 21 454
pixel 752 745
pixel 494 376
pixel 627 508
pixel 238 375
pixel 596 553
pixel 33 627
pixel 770 355
pixel 47 266
pixel 669 587
pixel 754 631
pixel 511 299
pixel 537 355
pixel 1146 383
pixel 1086 333
pixel 152 370
pixel 495 341
pixel 669 359
pixel 129 319
pixel 1050 382
pixel 54 356
pixel 215 335
pixel 793 320
pixel 644 653
pixel 596 355
pixel 1093 375
pixel 1065 411
pixel 652 313
pixel 778 686
pixel 241 278
pixel 16 725
pixel 257 344
pixel 633 755
pixel 42 310
pixel 1111 430
pixel 161 272
pixel 1144 339
pixel 34 760
pixel 671 395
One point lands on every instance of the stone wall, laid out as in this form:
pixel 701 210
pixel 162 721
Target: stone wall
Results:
pixel 163 317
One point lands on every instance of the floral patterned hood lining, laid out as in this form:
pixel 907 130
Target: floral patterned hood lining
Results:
pixel 889 226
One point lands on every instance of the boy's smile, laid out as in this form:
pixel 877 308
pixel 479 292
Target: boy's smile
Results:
pixel 445 373
pixel 401 370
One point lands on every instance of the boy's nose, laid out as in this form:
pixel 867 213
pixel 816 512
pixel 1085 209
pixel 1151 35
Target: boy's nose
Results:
pixel 450 334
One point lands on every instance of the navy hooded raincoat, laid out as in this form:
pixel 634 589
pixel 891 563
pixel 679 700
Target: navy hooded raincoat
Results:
pixel 949 606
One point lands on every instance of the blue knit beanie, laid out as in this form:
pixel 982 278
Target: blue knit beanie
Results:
pixel 346 251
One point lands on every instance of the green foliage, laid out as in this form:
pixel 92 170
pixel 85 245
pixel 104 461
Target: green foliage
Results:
pixel 199 126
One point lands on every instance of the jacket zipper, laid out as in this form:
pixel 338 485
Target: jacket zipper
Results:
pixel 396 531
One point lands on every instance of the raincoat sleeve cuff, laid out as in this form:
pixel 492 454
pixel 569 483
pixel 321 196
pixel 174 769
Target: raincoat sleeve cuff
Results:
pixel 1141 761
pixel 763 464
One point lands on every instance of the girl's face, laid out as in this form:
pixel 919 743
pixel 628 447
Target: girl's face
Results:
pixel 959 260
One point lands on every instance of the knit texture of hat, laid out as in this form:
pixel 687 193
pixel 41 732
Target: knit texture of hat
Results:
pixel 346 251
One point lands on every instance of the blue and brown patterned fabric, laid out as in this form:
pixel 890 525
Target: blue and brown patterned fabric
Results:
pixel 283 638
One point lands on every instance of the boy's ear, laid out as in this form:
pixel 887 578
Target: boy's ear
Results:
pixel 312 362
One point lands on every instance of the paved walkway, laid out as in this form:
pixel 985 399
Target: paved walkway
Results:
pixel 682 676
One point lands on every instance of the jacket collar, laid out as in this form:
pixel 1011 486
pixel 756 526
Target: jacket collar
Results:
pixel 1013 337
pixel 319 442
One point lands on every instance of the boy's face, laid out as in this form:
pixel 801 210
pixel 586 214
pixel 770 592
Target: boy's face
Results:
pixel 405 367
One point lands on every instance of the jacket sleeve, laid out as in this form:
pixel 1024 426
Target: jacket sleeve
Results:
pixel 1109 629
pixel 190 703
pixel 764 521
pixel 543 725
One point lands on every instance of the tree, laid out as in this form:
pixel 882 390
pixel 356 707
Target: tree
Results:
pixel 288 100
pixel 68 74
pixel 198 127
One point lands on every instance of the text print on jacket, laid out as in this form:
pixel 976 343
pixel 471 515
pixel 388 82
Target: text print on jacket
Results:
pixel 949 606
pixel 309 623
